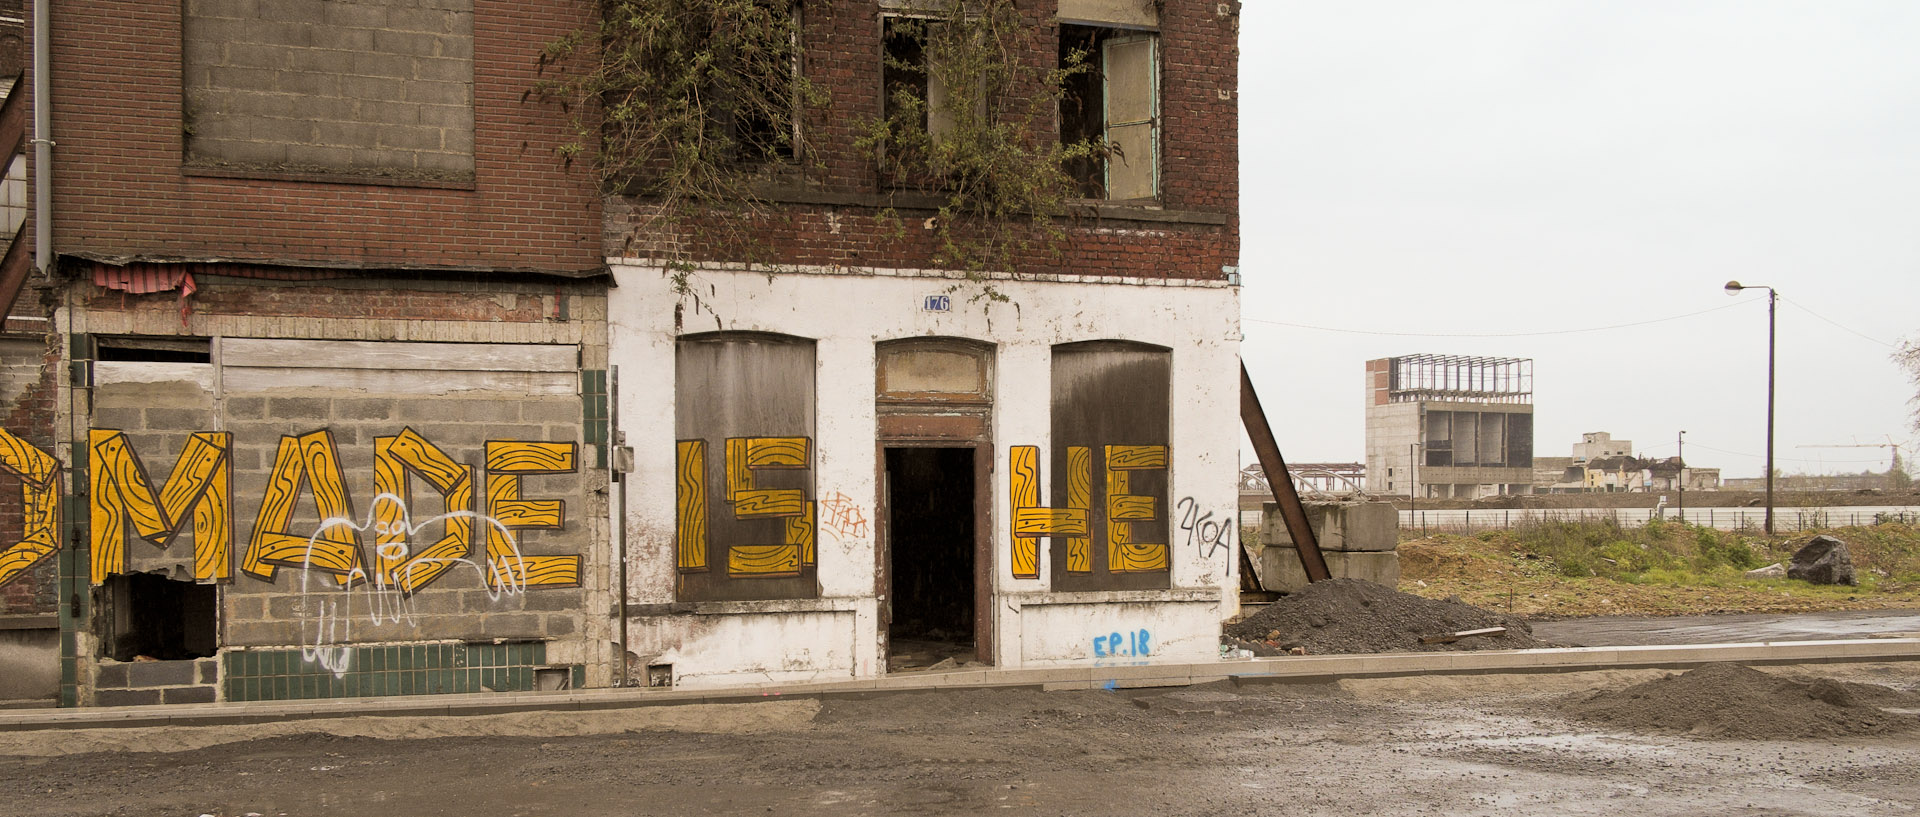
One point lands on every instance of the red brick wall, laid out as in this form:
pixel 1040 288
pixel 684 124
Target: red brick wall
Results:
pixel 119 188
pixel 1199 156
pixel 29 417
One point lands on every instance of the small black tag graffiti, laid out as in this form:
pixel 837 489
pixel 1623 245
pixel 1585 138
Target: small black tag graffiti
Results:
pixel 1204 533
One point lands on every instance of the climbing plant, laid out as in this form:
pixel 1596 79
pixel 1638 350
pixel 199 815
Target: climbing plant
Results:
pixel 985 146
pixel 694 108
pixel 688 106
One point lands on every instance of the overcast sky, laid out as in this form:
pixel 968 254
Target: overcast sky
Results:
pixel 1532 167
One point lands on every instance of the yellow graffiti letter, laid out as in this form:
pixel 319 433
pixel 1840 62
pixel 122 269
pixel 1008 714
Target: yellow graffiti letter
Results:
pixel 121 495
pixel 39 475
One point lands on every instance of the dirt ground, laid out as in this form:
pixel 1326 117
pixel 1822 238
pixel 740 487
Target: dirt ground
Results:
pixel 1495 745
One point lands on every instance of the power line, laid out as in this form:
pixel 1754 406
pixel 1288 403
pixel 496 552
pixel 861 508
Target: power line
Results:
pixel 1497 334
pixel 1836 324
pixel 1786 459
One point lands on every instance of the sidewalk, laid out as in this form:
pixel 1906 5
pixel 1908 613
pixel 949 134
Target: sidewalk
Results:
pixel 1621 631
pixel 1296 669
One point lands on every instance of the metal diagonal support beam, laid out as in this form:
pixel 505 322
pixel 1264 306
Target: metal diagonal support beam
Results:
pixel 1255 419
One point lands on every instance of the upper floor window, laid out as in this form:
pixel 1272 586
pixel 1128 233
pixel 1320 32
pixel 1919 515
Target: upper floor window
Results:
pixel 1112 99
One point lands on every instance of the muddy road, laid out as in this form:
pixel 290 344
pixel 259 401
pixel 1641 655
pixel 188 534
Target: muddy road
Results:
pixel 1495 745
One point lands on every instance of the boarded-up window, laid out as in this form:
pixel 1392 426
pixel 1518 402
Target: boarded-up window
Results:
pixel 933 370
pixel 1110 458
pixel 371 88
pixel 745 515
pixel 1113 100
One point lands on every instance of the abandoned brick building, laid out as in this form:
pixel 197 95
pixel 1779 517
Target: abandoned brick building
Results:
pixel 336 379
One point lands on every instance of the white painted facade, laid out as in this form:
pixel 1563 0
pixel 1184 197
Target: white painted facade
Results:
pixel 838 635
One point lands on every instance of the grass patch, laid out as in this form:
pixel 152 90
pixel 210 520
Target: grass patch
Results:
pixel 1554 568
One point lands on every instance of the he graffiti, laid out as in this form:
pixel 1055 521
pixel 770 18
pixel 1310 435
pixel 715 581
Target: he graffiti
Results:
pixel 198 495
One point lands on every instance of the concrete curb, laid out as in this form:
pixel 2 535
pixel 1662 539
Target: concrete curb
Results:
pixel 1291 669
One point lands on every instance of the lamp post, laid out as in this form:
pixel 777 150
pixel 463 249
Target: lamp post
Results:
pixel 1773 300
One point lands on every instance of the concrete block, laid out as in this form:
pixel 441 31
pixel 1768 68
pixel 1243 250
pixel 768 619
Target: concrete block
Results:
pixel 459 411
pixel 246 408
pixel 1343 526
pixel 188 695
pixel 299 408
pixel 121 418
pixel 438 92
pixel 223 8
pixel 432 20
pixel 1283 573
pixel 209 671
pixel 160 673
pixel 269 129
pixel 308 83
pixel 378 64
pixel 110 675
pixel 350 408
pixel 263 633
pixel 513 625
pixel 126 697
pixel 355 15
pixel 341 38
pixel 373 89
pixel 439 69
pixel 186 420
pixel 293 11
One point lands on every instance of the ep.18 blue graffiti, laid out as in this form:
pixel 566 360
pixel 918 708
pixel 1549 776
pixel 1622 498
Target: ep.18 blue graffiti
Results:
pixel 1138 643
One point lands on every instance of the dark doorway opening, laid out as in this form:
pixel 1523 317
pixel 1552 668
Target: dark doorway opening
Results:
pixel 152 616
pixel 930 543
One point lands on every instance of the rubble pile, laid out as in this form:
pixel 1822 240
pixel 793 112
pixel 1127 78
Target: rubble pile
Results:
pixel 1353 616
pixel 1732 701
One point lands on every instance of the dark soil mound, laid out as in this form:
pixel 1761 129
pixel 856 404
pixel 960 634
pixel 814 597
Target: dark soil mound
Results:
pixel 1732 701
pixel 1353 616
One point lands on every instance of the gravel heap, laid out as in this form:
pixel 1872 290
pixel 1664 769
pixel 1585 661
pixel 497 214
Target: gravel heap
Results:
pixel 1354 616
pixel 1732 701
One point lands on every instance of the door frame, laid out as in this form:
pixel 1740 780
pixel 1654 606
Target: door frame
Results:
pixel 982 541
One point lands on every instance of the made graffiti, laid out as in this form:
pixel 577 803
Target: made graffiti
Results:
pixel 198 496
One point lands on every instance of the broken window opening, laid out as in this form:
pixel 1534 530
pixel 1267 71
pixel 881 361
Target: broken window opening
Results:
pixel 765 127
pixel 1112 101
pixel 153 350
pixel 147 615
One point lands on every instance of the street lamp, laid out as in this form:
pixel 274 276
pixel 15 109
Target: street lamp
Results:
pixel 1773 300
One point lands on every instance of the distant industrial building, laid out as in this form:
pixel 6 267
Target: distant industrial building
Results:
pixel 1449 426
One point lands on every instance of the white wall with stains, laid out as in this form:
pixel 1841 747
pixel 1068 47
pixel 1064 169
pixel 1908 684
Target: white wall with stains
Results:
pixel 837 636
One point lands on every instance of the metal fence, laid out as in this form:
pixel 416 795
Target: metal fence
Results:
pixel 1785 520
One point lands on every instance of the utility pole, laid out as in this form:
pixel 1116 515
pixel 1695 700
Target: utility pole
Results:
pixel 1682 457
pixel 1413 478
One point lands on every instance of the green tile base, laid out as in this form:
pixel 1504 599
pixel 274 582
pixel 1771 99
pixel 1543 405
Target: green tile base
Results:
pixel 405 669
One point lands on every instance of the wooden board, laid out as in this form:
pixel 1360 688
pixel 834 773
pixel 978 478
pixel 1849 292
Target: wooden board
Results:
pixel 397 356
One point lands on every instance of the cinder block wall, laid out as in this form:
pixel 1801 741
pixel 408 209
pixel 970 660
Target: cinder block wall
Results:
pixel 352 86
pixel 126 185
pixel 300 633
